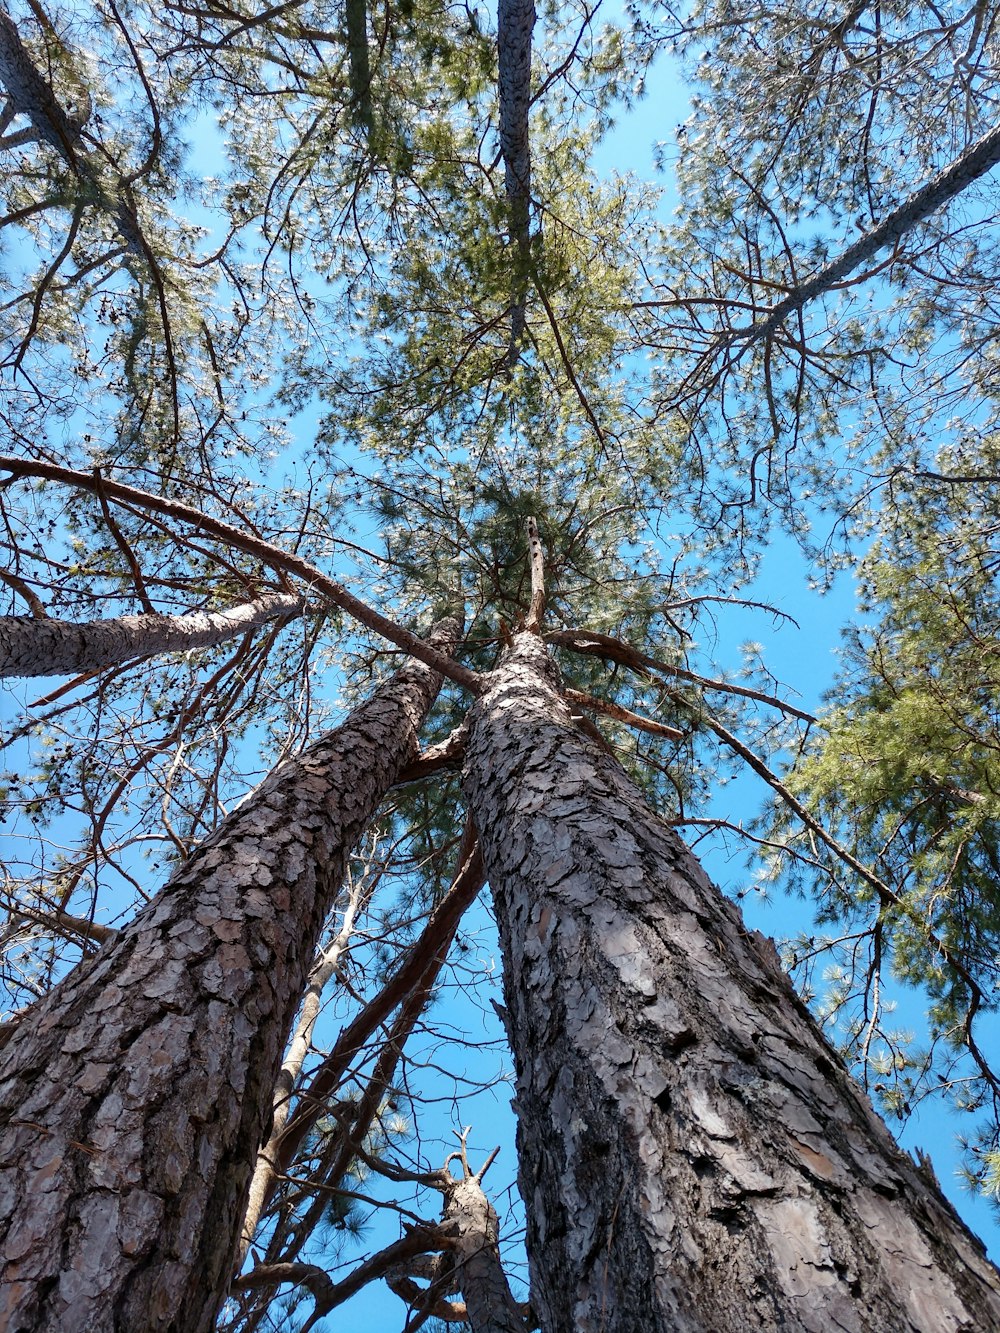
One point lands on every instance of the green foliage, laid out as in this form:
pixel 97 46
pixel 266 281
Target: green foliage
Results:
pixel 277 284
pixel 906 772
pixel 810 123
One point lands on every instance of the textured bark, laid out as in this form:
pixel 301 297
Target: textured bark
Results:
pixel 50 647
pixel 693 1155
pixel 975 162
pixel 471 1222
pixel 134 1097
pixel 515 22
pixel 468 1262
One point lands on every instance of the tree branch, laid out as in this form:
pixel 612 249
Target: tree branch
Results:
pixel 623 715
pixel 270 555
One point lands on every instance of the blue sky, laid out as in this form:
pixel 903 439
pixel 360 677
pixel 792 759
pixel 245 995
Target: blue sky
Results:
pixel 804 657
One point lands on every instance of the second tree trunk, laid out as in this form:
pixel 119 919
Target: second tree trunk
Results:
pixel 134 1097
pixel 693 1155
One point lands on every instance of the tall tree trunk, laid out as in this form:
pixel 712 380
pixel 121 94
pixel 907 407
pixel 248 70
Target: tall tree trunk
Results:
pixel 135 1096
pixel 45 646
pixel 515 22
pixel 693 1155
pixel 472 1223
pixel 359 64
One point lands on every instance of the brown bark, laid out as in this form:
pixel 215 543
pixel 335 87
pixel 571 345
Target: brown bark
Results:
pixel 469 1263
pixel 470 1220
pixel 135 1096
pixel 30 646
pixel 693 1155
pixel 469 1259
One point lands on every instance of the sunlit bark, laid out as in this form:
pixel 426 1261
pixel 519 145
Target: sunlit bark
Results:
pixel 693 1155
pixel 46 646
pixel 136 1094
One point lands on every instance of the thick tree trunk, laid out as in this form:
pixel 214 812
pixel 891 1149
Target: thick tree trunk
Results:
pixel 693 1154
pixel 49 647
pixel 134 1097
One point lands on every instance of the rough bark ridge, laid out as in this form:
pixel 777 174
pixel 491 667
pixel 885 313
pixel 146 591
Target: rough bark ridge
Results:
pixel 693 1154
pixel 134 1098
pixel 32 646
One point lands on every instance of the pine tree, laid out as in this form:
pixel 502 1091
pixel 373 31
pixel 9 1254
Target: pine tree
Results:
pixel 392 345
pixel 136 1093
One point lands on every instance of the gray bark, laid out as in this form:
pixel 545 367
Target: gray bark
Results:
pixel 469 1259
pixel 48 647
pixel 515 22
pixel 976 161
pixel 274 557
pixel 134 1097
pixel 693 1155
pixel 470 1220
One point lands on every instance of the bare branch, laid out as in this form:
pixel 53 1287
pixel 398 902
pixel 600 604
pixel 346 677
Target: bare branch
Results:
pixel 272 556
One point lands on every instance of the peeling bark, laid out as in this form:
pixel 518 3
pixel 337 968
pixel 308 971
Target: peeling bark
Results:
pixel 693 1155
pixel 134 1097
pixel 30 646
